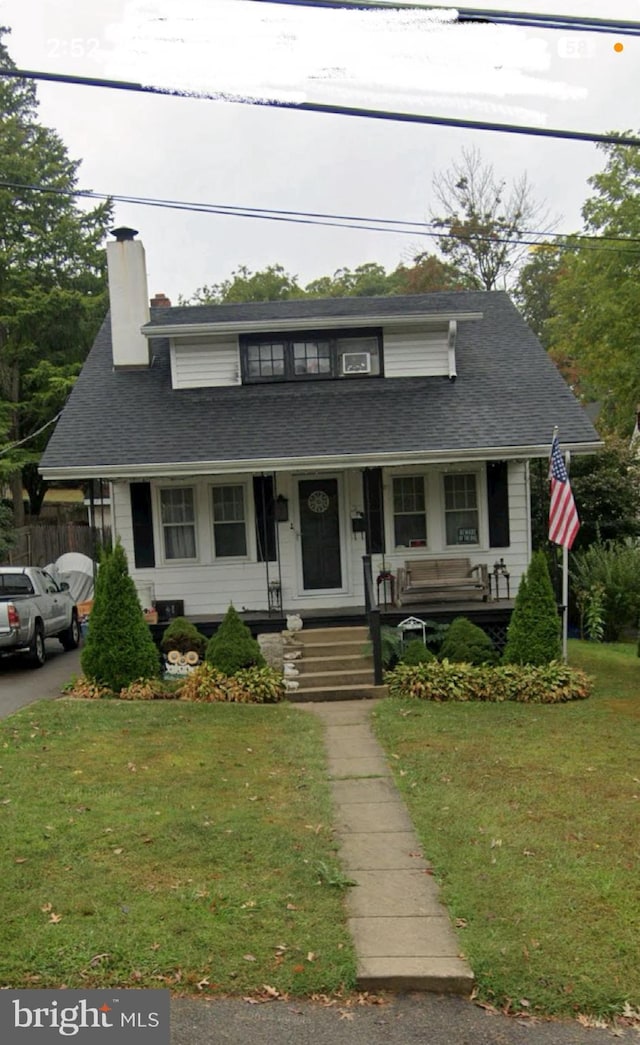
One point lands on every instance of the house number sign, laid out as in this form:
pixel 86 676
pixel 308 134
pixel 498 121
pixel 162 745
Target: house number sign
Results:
pixel 318 501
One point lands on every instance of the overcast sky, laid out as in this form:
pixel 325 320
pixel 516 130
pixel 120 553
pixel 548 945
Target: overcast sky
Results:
pixel 210 151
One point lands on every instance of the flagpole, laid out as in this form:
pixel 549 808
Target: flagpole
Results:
pixel 565 581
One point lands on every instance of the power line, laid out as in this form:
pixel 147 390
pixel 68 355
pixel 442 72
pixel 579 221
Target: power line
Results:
pixel 319 107
pixel 345 221
pixel 20 442
pixel 480 14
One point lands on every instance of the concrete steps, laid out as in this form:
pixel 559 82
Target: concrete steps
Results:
pixel 336 664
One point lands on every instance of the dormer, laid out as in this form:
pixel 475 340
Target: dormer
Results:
pixel 261 344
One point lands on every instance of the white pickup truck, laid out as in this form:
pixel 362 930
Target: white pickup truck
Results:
pixel 33 607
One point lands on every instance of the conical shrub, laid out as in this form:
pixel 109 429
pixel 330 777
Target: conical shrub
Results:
pixel 466 643
pixel 119 648
pixel 533 636
pixel 233 646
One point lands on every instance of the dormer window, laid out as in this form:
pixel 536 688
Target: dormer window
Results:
pixel 309 355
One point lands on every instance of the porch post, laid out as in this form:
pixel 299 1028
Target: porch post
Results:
pixel 373 619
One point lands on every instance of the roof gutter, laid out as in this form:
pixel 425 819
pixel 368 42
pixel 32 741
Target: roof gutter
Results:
pixel 305 323
pixel 330 462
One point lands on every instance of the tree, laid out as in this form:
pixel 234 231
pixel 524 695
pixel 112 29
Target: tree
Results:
pixel 595 327
pixel 484 222
pixel 606 489
pixel 119 648
pixel 6 530
pixel 367 280
pixel 533 635
pixel 52 271
pixel 536 283
pixel 270 284
pixel 427 275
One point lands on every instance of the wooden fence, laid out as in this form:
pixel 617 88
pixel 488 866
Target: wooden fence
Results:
pixel 43 543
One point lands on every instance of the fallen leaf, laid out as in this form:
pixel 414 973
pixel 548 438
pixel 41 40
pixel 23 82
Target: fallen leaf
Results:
pixel 54 918
pixel 291 907
pixel 311 956
pixel 20 860
pixel 461 923
pixel 249 957
pixel 201 984
pixel 118 851
pixel 47 907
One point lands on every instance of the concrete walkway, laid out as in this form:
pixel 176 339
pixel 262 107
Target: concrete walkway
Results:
pixel 402 933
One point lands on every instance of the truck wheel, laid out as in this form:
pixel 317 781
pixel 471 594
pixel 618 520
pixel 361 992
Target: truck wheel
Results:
pixel 37 653
pixel 70 638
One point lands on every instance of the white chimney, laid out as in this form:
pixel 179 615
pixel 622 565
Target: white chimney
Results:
pixel 128 299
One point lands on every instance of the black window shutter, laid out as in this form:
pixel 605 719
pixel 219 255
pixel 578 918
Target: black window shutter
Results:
pixel 142 518
pixel 498 503
pixel 265 517
pixel 373 510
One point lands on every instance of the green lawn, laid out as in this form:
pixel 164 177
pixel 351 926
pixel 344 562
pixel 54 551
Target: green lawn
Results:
pixel 531 817
pixel 162 844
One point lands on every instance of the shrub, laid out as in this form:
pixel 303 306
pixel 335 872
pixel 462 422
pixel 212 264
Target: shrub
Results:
pixel 86 689
pixel 148 689
pixel 208 685
pixel 466 643
pixel 255 685
pixel 605 579
pixel 233 647
pixel 415 652
pixel 553 683
pixel 119 648
pixel 182 635
pixel 263 685
pixel 533 635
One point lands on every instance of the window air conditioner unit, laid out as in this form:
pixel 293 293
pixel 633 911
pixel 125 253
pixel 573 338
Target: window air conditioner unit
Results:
pixel 356 363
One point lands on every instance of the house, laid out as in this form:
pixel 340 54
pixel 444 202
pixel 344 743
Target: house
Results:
pixel 256 451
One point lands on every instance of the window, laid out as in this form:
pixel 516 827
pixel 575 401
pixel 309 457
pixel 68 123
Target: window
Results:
pixel 265 361
pixel 177 515
pixel 461 509
pixel 409 511
pixel 306 355
pixel 229 530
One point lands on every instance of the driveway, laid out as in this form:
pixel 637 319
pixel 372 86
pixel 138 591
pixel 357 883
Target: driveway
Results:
pixel 20 684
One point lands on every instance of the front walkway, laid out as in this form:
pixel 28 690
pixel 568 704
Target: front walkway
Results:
pixel 402 933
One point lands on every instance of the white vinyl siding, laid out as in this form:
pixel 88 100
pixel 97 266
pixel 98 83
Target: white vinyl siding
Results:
pixel 416 352
pixel 205 362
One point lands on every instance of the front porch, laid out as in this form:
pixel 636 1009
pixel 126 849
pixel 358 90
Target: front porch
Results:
pixel 493 617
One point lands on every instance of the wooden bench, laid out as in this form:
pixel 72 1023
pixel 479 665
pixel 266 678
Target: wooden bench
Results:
pixel 423 579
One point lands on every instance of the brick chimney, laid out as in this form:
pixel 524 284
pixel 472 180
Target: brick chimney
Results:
pixel 160 300
pixel 128 298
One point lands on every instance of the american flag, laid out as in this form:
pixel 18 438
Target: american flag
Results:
pixel 563 516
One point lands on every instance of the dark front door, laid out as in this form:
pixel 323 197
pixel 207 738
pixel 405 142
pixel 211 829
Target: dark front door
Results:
pixel 320 533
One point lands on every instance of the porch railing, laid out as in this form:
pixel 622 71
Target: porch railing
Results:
pixel 373 619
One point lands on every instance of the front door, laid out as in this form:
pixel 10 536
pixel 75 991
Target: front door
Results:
pixel 320 534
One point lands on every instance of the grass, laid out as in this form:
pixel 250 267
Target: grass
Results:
pixel 168 845
pixel 530 816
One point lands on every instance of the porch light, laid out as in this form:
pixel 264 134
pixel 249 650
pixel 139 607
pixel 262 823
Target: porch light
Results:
pixel 281 509
pixel 500 570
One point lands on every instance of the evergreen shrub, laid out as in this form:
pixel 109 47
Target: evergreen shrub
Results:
pixel 233 646
pixel 119 648
pixel 415 652
pixel 533 635
pixel 466 643
pixel 182 635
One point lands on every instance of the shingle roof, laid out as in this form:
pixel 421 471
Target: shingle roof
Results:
pixel 508 394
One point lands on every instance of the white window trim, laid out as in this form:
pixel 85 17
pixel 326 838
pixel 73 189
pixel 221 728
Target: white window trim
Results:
pixel 478 508
pixel 435 510
pixel 159 525
pixel 426 477
pixel 249 521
